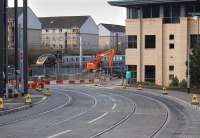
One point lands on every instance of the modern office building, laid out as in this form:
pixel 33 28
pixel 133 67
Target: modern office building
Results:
pixel 63 33
pixel 159 36
pixel 112 36
pixel 34 28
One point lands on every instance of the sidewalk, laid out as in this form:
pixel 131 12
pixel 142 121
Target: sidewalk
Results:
pixel 17 104
pixel 179 96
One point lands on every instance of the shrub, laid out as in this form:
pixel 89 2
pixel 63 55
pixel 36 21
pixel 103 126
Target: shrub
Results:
pixel 183 84
pixel 174 82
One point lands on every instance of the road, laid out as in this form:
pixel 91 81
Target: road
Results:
pixel 83 112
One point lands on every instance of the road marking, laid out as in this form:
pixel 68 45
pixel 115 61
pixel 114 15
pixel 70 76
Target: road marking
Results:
pixel 82 113
pixel 114 106
pixel 96 119
pixel 61 133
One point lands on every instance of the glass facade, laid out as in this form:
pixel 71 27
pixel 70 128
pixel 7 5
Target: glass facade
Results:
pixel 170 13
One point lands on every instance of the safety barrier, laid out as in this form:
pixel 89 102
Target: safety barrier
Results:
pixel 45 83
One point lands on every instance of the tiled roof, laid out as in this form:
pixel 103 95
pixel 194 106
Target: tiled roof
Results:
pixel 114 28
pixel 63 21
pixel 141 2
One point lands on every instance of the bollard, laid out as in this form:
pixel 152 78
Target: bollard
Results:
pixel 47 92
pixel 139 87
pixel 194 100
pixel 28 99
pixel 1 104
pixel 38 87
pixel 164 91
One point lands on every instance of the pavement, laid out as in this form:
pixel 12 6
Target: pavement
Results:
pixel 17 104
pixel 183 97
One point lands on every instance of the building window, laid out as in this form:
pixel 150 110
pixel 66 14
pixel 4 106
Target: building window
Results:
pixel 194 41
pixel 151 12
pixel 150 41
pixel 150 73
pixel 171 37
pixel 132 41
pixel 147 12
pixel 132 13
pixel 172 14
pixel 171 46
pixel 171 68
pixel 60 30
pixel 171 76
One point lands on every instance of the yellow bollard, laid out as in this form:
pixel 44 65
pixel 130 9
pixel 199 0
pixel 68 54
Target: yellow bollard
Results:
pixel 1 104
pixel 28 99
pixel 164 91
pixel 139 87
pixel 194 100
pixel 38 87
pixel 47 93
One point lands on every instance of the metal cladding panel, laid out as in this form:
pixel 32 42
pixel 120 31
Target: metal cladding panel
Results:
pixel 144 2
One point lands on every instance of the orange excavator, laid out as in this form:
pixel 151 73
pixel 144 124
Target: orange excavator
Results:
pixel 95 65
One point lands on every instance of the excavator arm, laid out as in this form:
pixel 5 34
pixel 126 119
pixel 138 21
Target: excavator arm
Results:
pixel 94 65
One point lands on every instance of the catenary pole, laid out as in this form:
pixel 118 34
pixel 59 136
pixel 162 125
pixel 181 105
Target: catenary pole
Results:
pixel 25 45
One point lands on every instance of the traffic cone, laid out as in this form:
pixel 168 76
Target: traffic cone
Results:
pixel 194 100
pixel 139 87
pixel 164 91
pixel 1 104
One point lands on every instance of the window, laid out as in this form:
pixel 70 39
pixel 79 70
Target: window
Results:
pixel 171 68
pixel 132 13
pixel 194 41
pixel 171 46
pixel 171 76
pixel 147 12
pixel 132 41
pixel 150 73
pixel 171 37
pixel 150 41
pixel 172 14
pixel 60 30
pixel 151 12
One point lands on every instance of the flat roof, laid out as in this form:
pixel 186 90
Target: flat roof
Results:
pixel 124 3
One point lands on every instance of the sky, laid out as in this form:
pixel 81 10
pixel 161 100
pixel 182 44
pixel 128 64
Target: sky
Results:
pixel 100 10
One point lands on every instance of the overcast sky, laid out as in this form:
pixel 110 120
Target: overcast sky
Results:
pixel 100 10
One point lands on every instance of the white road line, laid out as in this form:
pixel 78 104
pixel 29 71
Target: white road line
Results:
pixel 82 113
pixel 96 119
pixel 114 106
pixel 58 134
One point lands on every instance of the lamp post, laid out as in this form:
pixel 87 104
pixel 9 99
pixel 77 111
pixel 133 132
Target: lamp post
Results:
pixel 16 43
pixel 25 49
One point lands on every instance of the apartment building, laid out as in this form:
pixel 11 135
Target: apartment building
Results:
pixel 111 36
pixel 34 28
pixel 159 36
pixel 63 33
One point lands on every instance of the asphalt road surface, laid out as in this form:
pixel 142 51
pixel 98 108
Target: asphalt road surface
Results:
pixel 82 112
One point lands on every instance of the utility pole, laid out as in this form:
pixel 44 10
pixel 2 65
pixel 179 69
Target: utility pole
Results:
pixel 16 43
pixel 25 51
pixel 5 29
pixel 81 54
pixel 2 26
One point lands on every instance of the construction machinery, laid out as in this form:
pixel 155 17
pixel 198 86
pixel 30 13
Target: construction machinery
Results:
pixel 96 64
